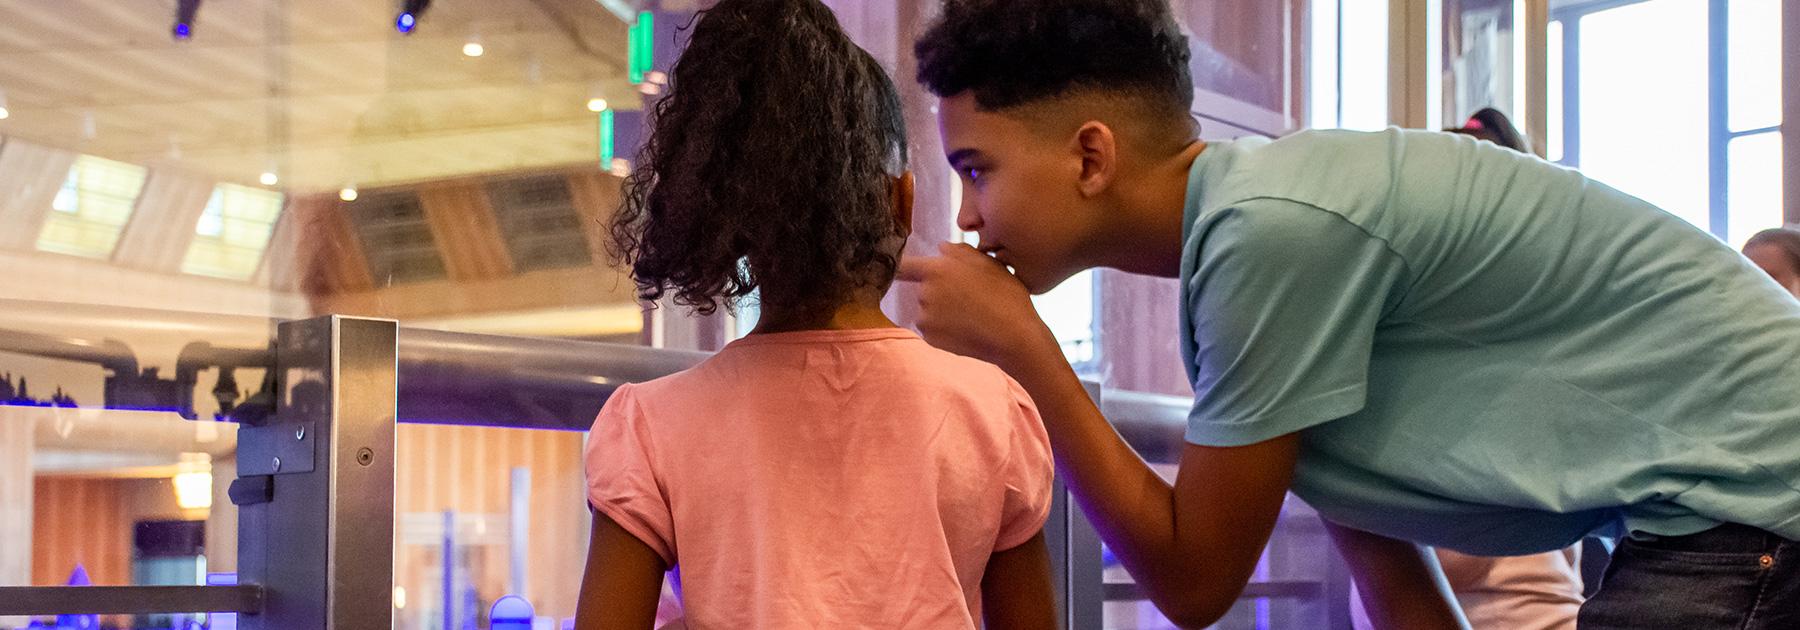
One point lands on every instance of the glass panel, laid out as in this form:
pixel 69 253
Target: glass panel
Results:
pixel 92 207
pixel 1364 54
pixel 1644 103
pixel 1753 48
pixel 1755 194
pixel 509 506
pixel 116 497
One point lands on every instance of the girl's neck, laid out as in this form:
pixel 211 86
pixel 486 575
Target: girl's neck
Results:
pixel 862 311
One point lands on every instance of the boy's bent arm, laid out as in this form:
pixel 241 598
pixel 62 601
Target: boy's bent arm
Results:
pixel 623 582
pixel 1400 583
pixel 1191 546
pixel 1016 591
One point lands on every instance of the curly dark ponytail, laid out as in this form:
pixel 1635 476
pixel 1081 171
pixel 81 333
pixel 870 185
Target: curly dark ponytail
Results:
pixel 770 165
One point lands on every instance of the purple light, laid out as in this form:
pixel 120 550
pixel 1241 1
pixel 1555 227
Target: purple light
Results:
pixel 405 23
pixel 183 31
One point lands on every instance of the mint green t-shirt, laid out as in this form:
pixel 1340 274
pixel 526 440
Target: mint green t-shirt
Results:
pixel 1481 350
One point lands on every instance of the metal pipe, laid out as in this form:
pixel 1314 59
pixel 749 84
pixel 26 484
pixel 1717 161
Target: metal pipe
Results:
pixel 1153 424
pixel 461 378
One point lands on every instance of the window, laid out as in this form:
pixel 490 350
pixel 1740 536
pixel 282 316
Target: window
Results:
pixel 1675 101
pixel 1069 311
pixel 1348 79
pixel 233 232
pixel 92 208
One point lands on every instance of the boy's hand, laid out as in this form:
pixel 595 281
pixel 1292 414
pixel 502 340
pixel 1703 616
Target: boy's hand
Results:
pixel 971 305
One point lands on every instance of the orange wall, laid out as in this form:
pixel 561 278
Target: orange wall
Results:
pixel 80 521
pixel 468 470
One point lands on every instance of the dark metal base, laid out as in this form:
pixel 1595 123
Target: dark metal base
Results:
pixel 129 600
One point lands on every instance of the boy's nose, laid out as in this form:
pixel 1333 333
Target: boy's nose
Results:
pixel 967 219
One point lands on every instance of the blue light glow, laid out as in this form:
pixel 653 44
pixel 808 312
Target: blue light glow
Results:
pixel 405 23
pixel 183 31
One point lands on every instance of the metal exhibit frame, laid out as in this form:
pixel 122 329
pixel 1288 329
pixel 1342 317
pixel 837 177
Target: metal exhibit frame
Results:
pixel 316 480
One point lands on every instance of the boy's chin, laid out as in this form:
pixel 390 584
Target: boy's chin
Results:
pixel 1040 283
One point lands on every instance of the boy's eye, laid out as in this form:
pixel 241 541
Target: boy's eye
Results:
pixel 972 173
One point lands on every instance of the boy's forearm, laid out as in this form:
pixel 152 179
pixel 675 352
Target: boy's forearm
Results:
pixel 1400 583
pixel 1131 506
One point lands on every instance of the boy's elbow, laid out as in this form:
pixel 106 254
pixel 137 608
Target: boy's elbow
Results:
pixel 1195 604
pixel 1193 615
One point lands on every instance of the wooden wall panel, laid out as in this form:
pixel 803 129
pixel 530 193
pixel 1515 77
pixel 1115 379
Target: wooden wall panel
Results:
pixel 1136 322
pixel 468 470
pixel 596 196
pixel 16 449
pixel 80 521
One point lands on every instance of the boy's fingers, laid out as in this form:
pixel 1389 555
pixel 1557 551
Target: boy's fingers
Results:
pixel 913 268
pixel 957 249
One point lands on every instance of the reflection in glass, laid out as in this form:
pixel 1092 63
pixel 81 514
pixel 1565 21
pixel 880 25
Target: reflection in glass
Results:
pixel 92 207
pixel 232 232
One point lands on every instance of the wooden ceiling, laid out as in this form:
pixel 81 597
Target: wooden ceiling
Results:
pixel 325 92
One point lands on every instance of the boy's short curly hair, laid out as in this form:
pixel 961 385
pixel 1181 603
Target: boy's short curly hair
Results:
pixel 1015 52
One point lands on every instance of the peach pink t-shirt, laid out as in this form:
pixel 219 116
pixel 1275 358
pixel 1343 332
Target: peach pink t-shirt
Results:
pixel 825 479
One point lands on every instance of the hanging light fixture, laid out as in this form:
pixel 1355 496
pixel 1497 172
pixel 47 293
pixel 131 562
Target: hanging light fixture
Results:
pixel 185 10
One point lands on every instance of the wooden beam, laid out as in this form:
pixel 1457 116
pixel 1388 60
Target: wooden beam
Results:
pixel 467 232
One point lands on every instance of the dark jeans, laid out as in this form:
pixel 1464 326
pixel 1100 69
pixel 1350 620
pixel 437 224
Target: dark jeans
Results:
pixel 1731 576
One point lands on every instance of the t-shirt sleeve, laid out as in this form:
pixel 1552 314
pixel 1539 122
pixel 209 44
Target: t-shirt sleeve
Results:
pixel 621 477
pixel 1284 302
pixel 1028 474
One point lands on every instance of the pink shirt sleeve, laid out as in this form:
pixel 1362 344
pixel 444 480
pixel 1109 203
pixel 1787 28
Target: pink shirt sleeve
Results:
pixel 1028 473
pixel 621 475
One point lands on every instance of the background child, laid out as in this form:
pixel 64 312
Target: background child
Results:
pixel 830 470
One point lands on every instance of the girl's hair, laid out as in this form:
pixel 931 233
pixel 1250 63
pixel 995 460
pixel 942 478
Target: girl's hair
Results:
pixel 1491 125
pixel 770 165
pixel 1785 239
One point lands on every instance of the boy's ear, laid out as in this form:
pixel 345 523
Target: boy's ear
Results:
pixel 903 203
pixel 1098 149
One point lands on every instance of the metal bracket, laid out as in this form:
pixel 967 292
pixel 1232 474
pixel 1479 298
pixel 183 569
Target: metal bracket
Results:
pixel 252 490
pixel 278 448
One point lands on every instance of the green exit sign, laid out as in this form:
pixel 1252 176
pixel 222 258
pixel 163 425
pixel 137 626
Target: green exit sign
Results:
pixel 642 46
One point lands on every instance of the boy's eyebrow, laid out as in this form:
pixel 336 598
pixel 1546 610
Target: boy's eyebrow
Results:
pixel 957 157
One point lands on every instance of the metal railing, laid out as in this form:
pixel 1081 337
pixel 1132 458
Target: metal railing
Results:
pixel 316 451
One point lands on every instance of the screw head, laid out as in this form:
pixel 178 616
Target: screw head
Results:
pixel 278 464
pixel 365 456
pixel 300 433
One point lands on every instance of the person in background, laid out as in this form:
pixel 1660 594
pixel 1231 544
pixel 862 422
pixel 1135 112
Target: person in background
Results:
pixel 1493 126
pixel 831 469
pixel 1777 251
